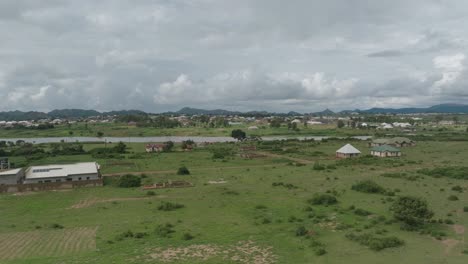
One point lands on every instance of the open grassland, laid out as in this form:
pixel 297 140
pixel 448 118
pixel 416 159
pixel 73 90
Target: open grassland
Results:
pixel 246 210
pixel 34 244
pixel 124 130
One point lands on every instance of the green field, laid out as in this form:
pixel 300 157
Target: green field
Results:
pixel 237 212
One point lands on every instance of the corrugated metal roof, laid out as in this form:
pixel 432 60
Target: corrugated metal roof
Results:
pixel 61 170
pixel 348 149
pixel 385 148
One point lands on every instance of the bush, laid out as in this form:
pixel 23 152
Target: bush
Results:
pixel 465 209
pixel 368 186
pixel 320 252
pixel 187 236
pixel 412 211
pixel 164 230
pixel 457 188
pixel 168 206
pixel 129 181
pixel 374 242
pixel 151 193
pixel 183 171
pixel 453 198
pixel 301 231
pixel 323 199
pixel 56 226
pixel 362 212
pixel 449 172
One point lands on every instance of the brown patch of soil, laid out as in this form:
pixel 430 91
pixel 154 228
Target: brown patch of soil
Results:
pixel 245 252
pixel 449 245
pixel 459 229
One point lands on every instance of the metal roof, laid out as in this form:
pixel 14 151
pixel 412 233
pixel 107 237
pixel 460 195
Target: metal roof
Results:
pixel 385 148
pixel 10 172
pixel 348 149
pixel 61 170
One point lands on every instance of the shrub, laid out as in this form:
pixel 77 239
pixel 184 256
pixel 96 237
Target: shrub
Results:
pixel 412 211
pixel 449 172
pixel 164 230
pixel 465 209
pixel 368 186
pixel 362 212
pixel 183 171
pixel 168 206
pixel 452 198
pixel 56 226
pixel 140 235
pixel 320 252
pixel 187 236
pixel 150 193
pixel 129 181
pixel 323 199
pixel 457 188
pixel 374 242
pixel 301 231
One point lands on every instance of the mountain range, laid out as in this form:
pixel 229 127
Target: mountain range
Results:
pixel 81 113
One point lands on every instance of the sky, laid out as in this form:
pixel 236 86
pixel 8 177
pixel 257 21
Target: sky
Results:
pixel 274 55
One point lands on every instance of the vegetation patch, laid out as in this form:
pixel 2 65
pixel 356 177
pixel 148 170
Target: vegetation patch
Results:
pixel 368 186
pixel 323 199
pixel 168 206
pixel 448 172
pixel 374 242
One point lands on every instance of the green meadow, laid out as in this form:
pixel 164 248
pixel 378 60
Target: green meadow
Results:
pixel 240 210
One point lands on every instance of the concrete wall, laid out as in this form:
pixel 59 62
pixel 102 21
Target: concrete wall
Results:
pixel 72 178
pixel 48 186
pixel 12 179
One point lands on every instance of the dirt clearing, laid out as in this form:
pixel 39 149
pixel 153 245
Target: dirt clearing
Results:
pixel 244 252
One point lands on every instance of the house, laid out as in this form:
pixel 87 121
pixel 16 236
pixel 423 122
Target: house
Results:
pixel 396 142
pixel 62 173
pixel 11 177
pixel 385 151
pixel 347 151
pixel 155 147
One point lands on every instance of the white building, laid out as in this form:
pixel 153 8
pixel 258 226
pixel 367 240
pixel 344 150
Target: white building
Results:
pixel 347 151
pixel 10 177
pixel 62 173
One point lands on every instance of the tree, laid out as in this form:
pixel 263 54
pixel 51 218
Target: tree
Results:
pixel 70 133
pixel 340 124
pixel 120 147
pixel 183 171
pixel 100 134
pixel 439 118
pixel 275 123
pixel 168 146
pixel 187 144
pixel 129 180
pixel 238 134
pixel 413 211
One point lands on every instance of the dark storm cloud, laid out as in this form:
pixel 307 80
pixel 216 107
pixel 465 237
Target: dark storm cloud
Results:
pixel 263 54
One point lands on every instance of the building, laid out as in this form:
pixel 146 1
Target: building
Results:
pixel 155 147
pixel 347 151
pixel 385 151
pixel 11 177
pixel 62 173
pixel 398 142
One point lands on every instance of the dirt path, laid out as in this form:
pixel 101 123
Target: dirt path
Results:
pixel 192 169
pixel 89 202
pixel 272 155
pixel 459 229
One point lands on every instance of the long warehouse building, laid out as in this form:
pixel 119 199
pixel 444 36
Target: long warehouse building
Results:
pixel 62 173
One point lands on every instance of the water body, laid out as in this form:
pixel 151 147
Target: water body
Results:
pixel 197 139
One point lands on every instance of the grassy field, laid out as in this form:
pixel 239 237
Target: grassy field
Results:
pixel 124 130
pixel 241 210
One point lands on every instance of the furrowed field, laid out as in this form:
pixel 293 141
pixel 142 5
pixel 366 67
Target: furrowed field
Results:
pixel 260 210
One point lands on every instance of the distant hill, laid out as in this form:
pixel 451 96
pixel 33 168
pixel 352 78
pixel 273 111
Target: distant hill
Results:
pixel 72 113
pixel 442 108
pixel 81 113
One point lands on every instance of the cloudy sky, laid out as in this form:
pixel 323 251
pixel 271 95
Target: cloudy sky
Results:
pixel 161 55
